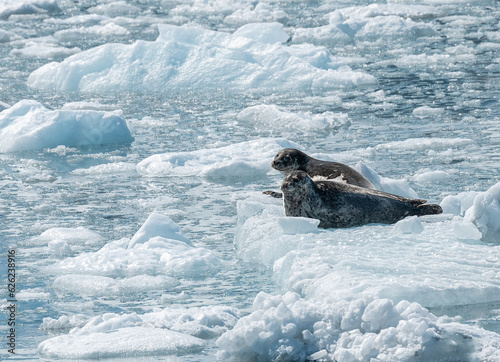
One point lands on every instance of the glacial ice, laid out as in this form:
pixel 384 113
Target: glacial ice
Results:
pixel 193 58
pixel 158 248
pixel 28 125
pixel 291 328
pixel 241 160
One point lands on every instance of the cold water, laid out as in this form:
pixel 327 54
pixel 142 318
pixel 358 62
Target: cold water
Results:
pixel 135 142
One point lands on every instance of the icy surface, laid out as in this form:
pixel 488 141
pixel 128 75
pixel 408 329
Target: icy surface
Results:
pixel 290 328
pixel 28 125
pixel 194 58
pixel 243 160
pixel 160 244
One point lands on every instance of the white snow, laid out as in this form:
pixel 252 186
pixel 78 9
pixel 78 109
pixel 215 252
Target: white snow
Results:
pixel 193 58
pixel 28 125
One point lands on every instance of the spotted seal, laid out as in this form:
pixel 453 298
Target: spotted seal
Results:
pixel 291 159
pixel 339 205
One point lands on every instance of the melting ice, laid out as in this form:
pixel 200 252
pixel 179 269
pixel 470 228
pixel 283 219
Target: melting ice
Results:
pixel 136 140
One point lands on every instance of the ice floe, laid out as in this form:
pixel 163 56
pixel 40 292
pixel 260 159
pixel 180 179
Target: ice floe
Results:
pixel 194 58
pixel 8 8
pixel 291 328
pixel 278 119
pixel 28 125
pixel 158 248
pixel 168 331
pixel 241 160
pixel 419 259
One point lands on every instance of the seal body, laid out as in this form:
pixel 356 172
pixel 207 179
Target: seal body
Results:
pixel 291 159
pixel 339 205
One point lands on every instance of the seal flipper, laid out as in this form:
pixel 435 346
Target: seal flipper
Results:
pixel 275 194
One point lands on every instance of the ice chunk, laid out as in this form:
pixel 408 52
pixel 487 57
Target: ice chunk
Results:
pixel 158 225
pixel 407 261
pixel 426 111
pixel 485 213
pixel 392 186
pixel 427 175
pixel 298 225
pixel 95 31
pixel 8 8
pixel 124 342
pixel 158 248
pixel 465 230
pixel 291 328
pixel 178 331
pixel 28 126
pixel 260 13
pixel 44 51
pixel 276 118
pixel 243 160
pixel 410 225
pixel 192 58
pixel 263 32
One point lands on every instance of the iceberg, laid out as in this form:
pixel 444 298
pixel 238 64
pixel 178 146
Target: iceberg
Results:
pixel 195 58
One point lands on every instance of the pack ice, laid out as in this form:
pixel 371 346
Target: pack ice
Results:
pixel 361 293
pixel 28 125
pixel 195 58
pixel 157 257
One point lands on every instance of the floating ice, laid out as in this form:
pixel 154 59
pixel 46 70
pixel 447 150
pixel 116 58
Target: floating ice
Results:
pixel 192 58
pixel 165 332
pixel 19 7
pixel 95 31
pixel 124 342
pixel 158 225
pixel 158 248
pixel 427 175
pixel 115 8
pixel 64 241
pixel 425 144
pixel 29 126
pixel 392 186
pixel 269 33
pixel 375 22
pixel 426 111
pixel 44 51
pixel 101 286
pixel 246 159
pixel 276 118
pixel 420 259
pixel 260 13
pixel 485 213
pixel 290 328
pixel 410 225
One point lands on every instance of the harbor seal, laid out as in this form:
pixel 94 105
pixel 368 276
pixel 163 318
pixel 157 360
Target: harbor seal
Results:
pixel 339 205
pixel 291 159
